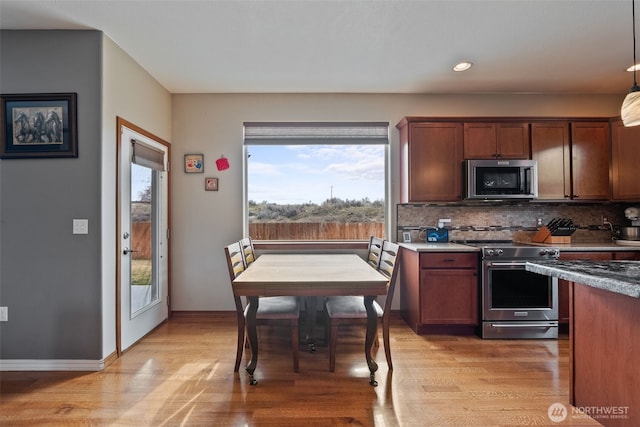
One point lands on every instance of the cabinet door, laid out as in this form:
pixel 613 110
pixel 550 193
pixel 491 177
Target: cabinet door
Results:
pixel 590 157
pixel 625 158
pixel 480 141
pixel 435 162
pixel 550 147
pixel 627 256
pixel 513 140
pixel 449 297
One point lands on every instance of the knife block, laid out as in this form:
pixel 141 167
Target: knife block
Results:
pixel 544 236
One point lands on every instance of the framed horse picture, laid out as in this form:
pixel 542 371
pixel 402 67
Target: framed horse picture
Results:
pixel 38 125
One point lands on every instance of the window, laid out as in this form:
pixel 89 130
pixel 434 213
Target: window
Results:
pixel 316 181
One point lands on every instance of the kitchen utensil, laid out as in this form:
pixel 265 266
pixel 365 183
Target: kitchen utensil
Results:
pixel 630 233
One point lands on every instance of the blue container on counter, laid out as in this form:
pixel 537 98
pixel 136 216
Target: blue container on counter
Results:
pixel 437 235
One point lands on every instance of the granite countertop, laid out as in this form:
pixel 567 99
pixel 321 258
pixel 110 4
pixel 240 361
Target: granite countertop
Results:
pixel 606 246
pixel 622 277
pixel 439 247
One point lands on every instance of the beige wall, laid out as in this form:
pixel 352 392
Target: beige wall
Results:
pixel 211 124
pixel 133 94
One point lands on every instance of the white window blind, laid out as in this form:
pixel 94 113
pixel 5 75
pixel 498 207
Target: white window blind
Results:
pixel 145 155
pixel 290 133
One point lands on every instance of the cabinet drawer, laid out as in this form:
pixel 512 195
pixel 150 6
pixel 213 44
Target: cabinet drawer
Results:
pixel 449 260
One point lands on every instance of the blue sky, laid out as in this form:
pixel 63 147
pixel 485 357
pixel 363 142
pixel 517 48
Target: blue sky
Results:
pixel 292 174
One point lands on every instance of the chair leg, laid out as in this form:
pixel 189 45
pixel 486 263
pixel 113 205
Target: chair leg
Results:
pixel 333 341
pixel 385 337
pixel 294 343
pixel 240 345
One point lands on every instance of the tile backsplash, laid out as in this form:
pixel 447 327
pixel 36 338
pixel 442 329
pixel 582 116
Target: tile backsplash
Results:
pixel 491 221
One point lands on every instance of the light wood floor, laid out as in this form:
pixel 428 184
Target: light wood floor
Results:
pixel 182 375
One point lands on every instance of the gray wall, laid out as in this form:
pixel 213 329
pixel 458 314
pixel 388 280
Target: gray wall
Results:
pixel 50 278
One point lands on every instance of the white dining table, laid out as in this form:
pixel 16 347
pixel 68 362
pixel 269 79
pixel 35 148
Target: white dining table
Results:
pixel 310 275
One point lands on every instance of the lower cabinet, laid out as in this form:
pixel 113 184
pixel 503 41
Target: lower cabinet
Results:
pixel 440 291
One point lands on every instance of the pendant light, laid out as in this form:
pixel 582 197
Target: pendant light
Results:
pixel 630 110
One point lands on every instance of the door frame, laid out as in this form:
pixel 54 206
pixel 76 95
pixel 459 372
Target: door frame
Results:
pixel 121 123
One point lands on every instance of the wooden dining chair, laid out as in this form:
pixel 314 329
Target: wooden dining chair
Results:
pixel 374 251
pixel 248 252
pixel 349 310
pixel 270 309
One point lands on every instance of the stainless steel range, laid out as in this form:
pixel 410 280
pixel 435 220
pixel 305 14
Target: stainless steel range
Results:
pixel 517 303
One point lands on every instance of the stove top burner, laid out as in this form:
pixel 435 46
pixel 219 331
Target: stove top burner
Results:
pixel 510 250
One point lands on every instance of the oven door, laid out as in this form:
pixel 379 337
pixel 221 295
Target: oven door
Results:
pixel 517 303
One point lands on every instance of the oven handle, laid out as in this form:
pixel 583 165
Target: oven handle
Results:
pixel 507 264
pixel 525 325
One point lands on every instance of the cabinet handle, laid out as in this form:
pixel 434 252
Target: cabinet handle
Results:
pixel 449 260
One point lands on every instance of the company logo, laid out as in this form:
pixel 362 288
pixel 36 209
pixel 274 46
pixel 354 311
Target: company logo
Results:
pixel 557 412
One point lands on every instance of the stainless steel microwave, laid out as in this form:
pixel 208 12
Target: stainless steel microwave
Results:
pixel 501 179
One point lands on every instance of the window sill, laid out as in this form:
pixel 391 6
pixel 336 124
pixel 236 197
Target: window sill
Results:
pixel 310 244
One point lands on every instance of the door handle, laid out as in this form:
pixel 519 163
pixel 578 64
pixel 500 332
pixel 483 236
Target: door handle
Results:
pixel 127 251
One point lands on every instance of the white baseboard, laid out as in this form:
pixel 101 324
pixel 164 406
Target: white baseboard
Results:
pixel 51 365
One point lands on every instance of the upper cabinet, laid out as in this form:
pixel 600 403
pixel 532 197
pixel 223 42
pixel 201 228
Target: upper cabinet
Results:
pixel 573 159
pixel 590 156
pixel 496 140
pixel 625 158
pixel 431 165
pixel 550 148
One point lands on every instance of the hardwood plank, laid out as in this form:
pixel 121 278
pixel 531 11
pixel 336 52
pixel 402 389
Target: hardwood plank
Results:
pixel 182 374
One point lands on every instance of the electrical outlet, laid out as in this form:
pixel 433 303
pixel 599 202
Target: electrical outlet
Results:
pixel 605 220
pixel 539 221
pixel 442 221
pixel 4 314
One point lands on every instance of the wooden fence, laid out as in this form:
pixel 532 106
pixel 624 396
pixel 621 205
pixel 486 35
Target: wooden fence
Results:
pixel 141 240
pixel 141 233
pixel 315 230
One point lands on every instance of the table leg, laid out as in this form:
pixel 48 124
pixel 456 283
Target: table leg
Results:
pixel 252 334
pixel 372 331
pixel 311 307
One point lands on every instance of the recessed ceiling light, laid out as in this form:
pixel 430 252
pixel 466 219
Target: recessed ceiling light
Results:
pixel 634 68
pixel 462 66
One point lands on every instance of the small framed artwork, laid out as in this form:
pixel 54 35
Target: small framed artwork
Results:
pixel 406 237
pixel 211 184
pixel 38 125
pixel 194 163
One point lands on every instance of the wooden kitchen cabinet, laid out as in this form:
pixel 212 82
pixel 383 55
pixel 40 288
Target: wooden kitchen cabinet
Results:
pixel 496 140
pixel 550 148
pixel 440 291
pixel 590 156
pixel 431 161
pixel 573 159
pixel 625 158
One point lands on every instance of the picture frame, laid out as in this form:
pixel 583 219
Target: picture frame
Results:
pixel 38 125
pixel 406 237
pixel 211 184
pixel 194 163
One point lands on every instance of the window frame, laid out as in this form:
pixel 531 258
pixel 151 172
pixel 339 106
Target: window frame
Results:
pixel 305 140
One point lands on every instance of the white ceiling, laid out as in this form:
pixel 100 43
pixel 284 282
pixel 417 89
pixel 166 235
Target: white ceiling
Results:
pixel 366 46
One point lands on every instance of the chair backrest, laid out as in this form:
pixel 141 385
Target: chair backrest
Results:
pixel 375 249
pixel 248 253
pixel 389 266
pixel 235 265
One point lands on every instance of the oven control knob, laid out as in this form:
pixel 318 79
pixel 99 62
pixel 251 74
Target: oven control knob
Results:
pixel 490 252
pixel 499 251
pixel 543 252
pixel 554 252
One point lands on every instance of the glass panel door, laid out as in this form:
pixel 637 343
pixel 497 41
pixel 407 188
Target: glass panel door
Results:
pixel 144 283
